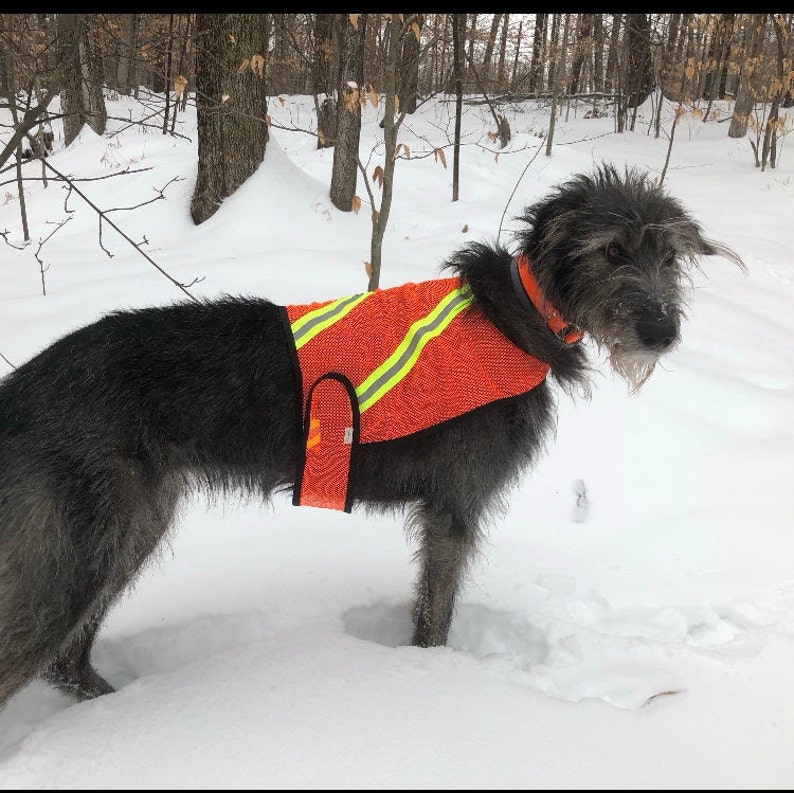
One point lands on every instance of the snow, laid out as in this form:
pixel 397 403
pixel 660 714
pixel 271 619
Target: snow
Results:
pixel 645 639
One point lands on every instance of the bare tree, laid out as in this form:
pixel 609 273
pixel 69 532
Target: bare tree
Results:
pixel 558 69
pixel 536 65
pixel 458 39
pixel 485 69
pixel 231 106
pixel 82 100
pixel 745 95
pixel 408 74
pixel 348 110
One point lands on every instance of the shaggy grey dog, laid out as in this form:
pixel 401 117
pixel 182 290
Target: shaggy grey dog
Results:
pixel 102 432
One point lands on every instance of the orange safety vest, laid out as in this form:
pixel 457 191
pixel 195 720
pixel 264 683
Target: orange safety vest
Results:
pixel 381 365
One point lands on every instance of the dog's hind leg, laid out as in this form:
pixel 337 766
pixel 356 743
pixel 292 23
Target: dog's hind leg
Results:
pixel 71 670
pixel 446 546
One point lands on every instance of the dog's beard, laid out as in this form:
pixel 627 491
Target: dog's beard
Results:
pixel 634 366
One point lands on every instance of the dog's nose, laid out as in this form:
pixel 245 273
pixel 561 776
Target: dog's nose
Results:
pixel 657 333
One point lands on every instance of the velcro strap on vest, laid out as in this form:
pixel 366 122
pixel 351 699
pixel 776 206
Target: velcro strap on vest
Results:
pixel 331 431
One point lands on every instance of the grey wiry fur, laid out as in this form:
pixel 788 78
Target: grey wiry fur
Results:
pixel 101 433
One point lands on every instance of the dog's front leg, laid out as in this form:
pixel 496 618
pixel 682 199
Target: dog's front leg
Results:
pixel 446 542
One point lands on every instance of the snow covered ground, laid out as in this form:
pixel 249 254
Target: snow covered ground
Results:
pixel 647 642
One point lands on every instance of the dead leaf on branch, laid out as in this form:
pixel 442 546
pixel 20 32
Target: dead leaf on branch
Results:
pixel 438 154
pixel 281 100
pixel 355 204
pixel 415 28
pixel 368 269
pixel 258 65
pixel 377 176
pixel 404 147
pixel 224 98
pixel 352 97
pixel 354 20
pixel 244 65
pixel 321 137
pixel 492 136
pixel 179 85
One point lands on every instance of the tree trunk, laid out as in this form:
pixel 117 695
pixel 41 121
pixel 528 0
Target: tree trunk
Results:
pixel 558 73
pixel 458 37
pixel 613 58
pixel 485 71
pixel 409 66
pixel 472 36
pixel 518 50
pixel 536 64
pixel 500 71
pixel 322 84
pixel 125 76
pixel 380 219
pixel 230 107
pixel 82 100
pixel 598 53
pixel 348 112
pixel 745 95
pixel 583 44
pixel 638 74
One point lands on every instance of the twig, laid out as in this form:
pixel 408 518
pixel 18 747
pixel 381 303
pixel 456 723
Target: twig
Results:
pixel 4 235
pixel 135 245
pixel 42 268
pixel 7 361
pixel 518 182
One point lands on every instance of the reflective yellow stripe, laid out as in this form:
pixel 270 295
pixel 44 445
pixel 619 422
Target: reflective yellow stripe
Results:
pixel 402 360
pixel 305 328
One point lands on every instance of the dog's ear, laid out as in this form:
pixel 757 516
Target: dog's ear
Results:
pixel 699 245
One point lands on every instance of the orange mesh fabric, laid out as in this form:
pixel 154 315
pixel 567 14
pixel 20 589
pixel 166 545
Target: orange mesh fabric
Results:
pixel 468 365
pixel 331 430
pixel 449 360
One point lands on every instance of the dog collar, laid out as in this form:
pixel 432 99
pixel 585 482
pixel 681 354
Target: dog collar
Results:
pixel 531 296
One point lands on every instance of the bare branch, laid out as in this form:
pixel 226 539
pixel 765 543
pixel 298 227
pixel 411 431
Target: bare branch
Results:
pixel 134 244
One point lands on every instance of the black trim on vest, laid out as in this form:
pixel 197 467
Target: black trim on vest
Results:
pixel 354 411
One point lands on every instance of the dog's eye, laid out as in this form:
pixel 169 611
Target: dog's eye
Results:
pixel 614 252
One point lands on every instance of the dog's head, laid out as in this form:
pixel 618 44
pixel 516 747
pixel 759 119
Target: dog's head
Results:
pixel 613 253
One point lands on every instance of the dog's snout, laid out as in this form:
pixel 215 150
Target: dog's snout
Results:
pixel 657 333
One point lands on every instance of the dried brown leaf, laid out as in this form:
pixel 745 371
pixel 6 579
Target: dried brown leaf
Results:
pixel 438 154
pixel 355 204
pixel 354 20
pixel 351 99
pixel 179 85
pixel 377 176
pixel 258 65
